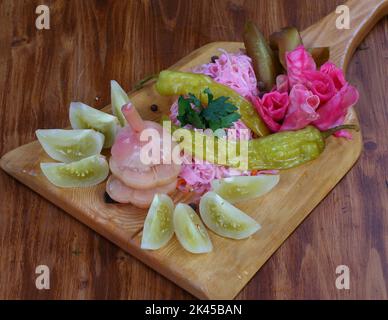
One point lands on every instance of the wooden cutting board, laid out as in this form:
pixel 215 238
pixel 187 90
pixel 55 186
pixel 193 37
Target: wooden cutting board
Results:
pixel 224 272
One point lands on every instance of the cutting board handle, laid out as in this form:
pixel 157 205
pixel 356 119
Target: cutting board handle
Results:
pixel 363 14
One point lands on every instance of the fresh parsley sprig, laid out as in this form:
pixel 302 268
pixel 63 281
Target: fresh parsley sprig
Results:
pixel 218 114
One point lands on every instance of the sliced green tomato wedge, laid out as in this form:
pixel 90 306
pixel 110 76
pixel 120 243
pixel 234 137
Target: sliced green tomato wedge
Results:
pixel 70 145
pixel 242 188
pixel 158 225
pixel 225 219
pixel 83 173
pixel 118 99
pixel 85 117
pixel 190 230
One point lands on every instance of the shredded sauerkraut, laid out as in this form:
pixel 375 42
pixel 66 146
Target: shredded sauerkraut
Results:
pixel 234 70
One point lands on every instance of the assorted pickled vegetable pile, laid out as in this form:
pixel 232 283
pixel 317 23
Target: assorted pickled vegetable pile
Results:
pixel 277 86
pixel 279 97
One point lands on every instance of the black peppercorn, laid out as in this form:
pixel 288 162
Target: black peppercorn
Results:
pixel 214 58
pixel 108 199
pixel 193 206
pixel 154 108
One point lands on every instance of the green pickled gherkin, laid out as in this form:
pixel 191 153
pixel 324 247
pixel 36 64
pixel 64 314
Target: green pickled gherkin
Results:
pixel 285 40
pixel 264 60
pixel 182 83
pixel 288 39
pixel 281 150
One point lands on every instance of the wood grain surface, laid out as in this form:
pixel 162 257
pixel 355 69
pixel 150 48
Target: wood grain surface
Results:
pixel 91 42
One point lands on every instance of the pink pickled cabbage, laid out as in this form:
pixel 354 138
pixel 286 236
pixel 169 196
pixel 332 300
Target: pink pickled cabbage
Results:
pixel 198 175
pixel 234 70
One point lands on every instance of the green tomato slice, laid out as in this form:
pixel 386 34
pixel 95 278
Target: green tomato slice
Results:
pixel 242 188
pixel 70 145
pixel 83 173
pixel 158 225
pixel 225 219
pixel 118 98
pixel 85 117
pixel 190 230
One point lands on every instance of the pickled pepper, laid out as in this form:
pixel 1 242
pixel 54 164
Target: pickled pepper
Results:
pixel 288 149
pixel 182 83
pixel 282 150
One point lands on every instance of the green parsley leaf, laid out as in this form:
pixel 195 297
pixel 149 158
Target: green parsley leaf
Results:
pixel 209 95
pixel 187 115
pixel 218 114
pixel 195 101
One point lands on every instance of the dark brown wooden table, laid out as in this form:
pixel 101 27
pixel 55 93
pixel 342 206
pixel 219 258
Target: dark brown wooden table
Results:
pixel 91 42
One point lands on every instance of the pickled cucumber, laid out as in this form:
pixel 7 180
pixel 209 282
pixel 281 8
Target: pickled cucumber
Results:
pixel 70 145
pixel 225 219
pixel 264 62
pixel 118 98
pixel 85 117
pixel 283 41
pixel 158 225
pixel 83 173
pixel 242 188
pixel 190 230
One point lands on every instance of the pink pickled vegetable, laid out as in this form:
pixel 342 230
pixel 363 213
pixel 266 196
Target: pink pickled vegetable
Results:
pixel 135 168
pixel 299 61
pixel 133 117
pixel 343 134
pixel 333 112
pixel 272 108
pixel 335 73
pixel 301 110
pixel 320 84
pixel 233 70
pixel 198 175
pixel 282 83
pixel 120 192
pixel 127 146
